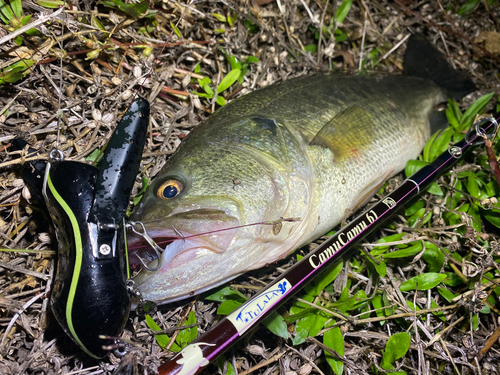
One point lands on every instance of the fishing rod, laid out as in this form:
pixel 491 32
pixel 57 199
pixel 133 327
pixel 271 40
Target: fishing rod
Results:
pixel 224 334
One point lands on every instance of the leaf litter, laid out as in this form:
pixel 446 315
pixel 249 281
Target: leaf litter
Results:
pixel 422 294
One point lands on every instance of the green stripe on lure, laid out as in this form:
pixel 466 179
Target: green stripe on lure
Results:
pixel 87 205
pixel 315 148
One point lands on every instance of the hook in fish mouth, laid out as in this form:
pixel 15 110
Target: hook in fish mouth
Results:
pixel 142 243
pixel 147 245
pixel 140 230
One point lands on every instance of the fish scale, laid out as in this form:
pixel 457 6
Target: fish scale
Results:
pixel 313 148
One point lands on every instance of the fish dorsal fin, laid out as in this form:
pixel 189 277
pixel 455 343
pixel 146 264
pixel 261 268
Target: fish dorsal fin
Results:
pixel 347 133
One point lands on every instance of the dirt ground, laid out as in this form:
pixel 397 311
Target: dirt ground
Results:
pixel 101 71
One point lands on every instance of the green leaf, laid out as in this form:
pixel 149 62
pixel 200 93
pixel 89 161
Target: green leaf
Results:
pixel 298 306
pixel 450 115
pixel 6 11
pixel 397 346
pixel 231 19
pixel 311 48
pixel 277 325
pixel 324 279
pixel 228 80
pixel 453 280
pixel 476 217
pixel 343 10
pixel 414 207
pixel 391 238
pixel 414 166
pixel 433 256
pixel 227 307
pixel 16 71
pixel 424 281
pixel 408 252
pixel 440 145
pixel 220 101
pixel 162 339
pixel 309 325
pixel 186 336
pixel 381 268
pixel 93 156
pixel 378 306
pixel 476 108
pixel 138 197
pixel 252 59
pixel 134 10
pixel 204 81
pixel 251 27
pixel 220 17
pixel 302 328
pixel 473 187
pixel 426 154
pixel 176 30
pixel 233 60
pixel 208 90
pixel 435 189
pixel 468 7
pixel 446 294
pixel 492 189
pixel 335 341
pixel 475 322
pixel 51 4
pixel 17 7
pixel 493 216
pixel 202 95
pixel 230 369
pixel 346 303
pixel 340 36
pixel 225 294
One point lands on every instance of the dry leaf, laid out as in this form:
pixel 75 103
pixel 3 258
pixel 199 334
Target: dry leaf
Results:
pixel 491 41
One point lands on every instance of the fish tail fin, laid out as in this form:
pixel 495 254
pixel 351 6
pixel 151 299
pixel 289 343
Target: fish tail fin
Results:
pixel 422 59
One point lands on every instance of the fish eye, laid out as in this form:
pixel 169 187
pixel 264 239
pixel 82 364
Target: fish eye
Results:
pixel 169 189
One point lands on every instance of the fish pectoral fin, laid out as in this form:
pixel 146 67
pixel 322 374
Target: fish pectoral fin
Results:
pixel 350 131
pixel 370 190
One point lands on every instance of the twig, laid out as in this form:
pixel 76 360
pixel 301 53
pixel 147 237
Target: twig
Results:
pixel 394 243
pixel 492 159
pixel 274 358
pixel 307 359
pixel 449 355
pixel 181 322
pixel 392 50
pixel 17 315
pixel 348 362
pixel 321 308
pixel 43 18
pixel 440 334
pixel 488 344
pixel 38 275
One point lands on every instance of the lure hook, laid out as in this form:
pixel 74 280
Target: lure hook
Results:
pixel 140 229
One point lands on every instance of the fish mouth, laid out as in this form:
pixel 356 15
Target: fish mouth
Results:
pixel 140 249
pixel 181 237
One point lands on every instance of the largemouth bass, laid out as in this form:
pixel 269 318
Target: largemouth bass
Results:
pixel 314 148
